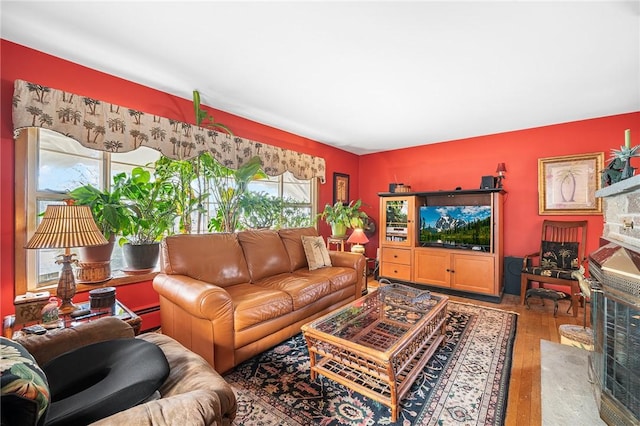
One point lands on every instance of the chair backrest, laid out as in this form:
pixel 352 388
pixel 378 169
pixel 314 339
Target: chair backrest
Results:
pixel 562 231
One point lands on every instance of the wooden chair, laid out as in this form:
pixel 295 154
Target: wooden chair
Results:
pixel 562 251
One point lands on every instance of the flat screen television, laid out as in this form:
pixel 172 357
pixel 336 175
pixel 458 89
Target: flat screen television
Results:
pixel 463 227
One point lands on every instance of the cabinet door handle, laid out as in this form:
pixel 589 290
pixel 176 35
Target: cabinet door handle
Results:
pixel 395 256
pixel 448 270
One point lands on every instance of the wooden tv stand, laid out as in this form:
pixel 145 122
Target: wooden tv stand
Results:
pixel 469 269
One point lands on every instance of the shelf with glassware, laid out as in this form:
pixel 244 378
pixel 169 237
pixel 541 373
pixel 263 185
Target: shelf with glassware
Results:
pixel 444 239
pixel 396 234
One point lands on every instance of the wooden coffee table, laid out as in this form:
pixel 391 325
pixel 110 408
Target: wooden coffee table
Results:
pixel 378 344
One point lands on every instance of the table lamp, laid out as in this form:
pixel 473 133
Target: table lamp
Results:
pixel 501 169
pixel 66 226
pixel 357 238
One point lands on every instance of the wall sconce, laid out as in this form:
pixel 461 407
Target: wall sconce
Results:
pixel 500 169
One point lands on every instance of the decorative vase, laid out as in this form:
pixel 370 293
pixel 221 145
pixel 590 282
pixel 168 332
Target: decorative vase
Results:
pixel 338 230
pixel 568 187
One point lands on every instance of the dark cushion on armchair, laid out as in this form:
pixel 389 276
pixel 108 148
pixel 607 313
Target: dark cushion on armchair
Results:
pixel 98 380
pixel 559 256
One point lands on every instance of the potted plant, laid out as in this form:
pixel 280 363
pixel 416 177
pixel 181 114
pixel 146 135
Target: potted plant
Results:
pixel 151 216
pixel 111 216
pixel 228 189
pixel 343 216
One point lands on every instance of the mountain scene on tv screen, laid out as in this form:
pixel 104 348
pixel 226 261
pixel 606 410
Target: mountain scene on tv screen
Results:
pixel 455 225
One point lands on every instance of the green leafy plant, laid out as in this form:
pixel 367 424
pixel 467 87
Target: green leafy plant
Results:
pixel 188 179
pixel 228 188
pixel 203 118
pixel 262 210
pixel 343 216
pixel 151 206
pixel 107 208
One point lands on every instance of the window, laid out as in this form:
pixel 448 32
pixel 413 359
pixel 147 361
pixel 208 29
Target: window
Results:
pixel 290 196
pixel 54 165
pixel 48 165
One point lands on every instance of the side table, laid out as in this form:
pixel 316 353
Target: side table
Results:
pixel 119 311
pixel 336 241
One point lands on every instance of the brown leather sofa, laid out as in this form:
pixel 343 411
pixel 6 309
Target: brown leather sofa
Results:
pixel 230 296
pixel 193 394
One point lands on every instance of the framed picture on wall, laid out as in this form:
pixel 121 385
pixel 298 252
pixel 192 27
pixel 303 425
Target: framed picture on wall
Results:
pixel 567 184
pixel 340 188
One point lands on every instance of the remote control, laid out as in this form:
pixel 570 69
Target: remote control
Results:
pixel 80 313
pixel 34 329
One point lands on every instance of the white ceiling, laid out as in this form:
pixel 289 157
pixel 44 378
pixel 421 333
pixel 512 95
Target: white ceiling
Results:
pixel 362 76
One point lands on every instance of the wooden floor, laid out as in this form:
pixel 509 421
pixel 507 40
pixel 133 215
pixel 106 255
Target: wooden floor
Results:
pixel 523 406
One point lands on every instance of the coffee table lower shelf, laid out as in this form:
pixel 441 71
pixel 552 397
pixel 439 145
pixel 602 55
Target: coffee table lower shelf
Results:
pixel 384 380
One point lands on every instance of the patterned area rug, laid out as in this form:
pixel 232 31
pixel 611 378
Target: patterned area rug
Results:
pixel 465 382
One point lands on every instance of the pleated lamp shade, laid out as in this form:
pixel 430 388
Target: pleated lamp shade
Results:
pixel 66 226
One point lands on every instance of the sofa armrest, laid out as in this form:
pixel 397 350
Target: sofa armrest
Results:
pixel 198 298
pixel 58 341
pixel 194 393
pixel 355 261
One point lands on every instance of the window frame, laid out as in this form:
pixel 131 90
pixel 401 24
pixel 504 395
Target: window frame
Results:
pixel 26 198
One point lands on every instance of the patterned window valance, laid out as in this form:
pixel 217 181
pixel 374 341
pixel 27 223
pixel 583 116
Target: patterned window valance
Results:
pixel 107 127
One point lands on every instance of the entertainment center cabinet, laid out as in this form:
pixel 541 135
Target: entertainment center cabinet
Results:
pixel 444 239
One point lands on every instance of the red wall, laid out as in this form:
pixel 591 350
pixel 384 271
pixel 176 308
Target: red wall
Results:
pixel 463 162
pixel 19 62
pixel 430 167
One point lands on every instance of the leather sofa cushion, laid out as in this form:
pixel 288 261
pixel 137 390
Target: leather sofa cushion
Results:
pixel 339 277
pixel 264 253
pixel 253 304
pixel 292 240
pixel 212 258
pixel 303 290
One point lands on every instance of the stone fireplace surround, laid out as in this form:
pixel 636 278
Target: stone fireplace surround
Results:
pixel 614 365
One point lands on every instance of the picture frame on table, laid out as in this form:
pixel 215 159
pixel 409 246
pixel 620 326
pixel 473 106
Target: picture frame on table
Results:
pixel 567 184
pixel 340 188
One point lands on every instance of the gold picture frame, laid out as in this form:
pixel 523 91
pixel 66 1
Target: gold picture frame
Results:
pixel 567 184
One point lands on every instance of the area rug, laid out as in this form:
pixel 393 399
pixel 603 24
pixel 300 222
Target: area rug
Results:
pixel 465 382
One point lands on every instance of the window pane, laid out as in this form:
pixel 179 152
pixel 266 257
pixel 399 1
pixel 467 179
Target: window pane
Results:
pixel 52 141
pixel 48 269
pixel 126 161
pixel 264 186
pixel 300 192
pixel 60 172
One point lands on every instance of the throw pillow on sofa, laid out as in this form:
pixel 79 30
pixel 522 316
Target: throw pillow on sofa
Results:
pixel 25 390
pixel 316 252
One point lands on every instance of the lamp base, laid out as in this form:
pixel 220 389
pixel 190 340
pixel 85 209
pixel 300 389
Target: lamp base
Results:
pixel 357 248
pixel 67 307
pixel 66 284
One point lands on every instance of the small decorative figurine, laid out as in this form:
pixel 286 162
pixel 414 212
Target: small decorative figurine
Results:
pixel 619 167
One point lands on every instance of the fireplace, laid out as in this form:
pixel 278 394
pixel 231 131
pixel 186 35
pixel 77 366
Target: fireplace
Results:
pixel 615 305
pixel 615 318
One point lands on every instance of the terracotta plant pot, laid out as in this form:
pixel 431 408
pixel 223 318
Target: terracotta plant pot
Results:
pixel 94 263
